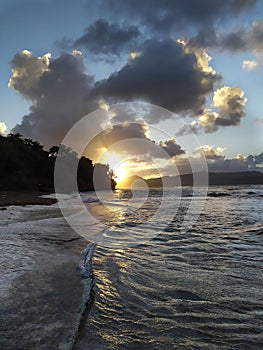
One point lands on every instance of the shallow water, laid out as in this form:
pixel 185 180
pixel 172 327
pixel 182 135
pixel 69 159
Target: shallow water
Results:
pixel 172 278
pixel 42 297
pixel 195 289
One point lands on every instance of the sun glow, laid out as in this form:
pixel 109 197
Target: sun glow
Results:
pixel 116 164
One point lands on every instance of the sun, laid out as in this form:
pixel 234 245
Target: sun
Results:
pixel 120 172
pixel 116 164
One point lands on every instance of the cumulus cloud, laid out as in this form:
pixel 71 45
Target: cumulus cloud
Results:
pixel 207 120
pixel 171 147
pixel 62 92
pixel 26 73
pixel 166 73
pixel 210 152
pixel 3 128
pixel 163 74
pixel 231 103
pixel 105 38
pixel 59 89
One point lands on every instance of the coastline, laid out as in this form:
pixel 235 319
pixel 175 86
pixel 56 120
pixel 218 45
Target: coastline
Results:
pixel 24 198
pixel 39 263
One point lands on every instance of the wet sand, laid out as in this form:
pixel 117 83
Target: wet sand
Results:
pixel 24 198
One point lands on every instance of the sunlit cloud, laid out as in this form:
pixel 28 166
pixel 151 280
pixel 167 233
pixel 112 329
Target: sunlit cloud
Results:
pixel 3 128
pixel 104 106
pixel 134 54
pixel 26 72
pixel 250 65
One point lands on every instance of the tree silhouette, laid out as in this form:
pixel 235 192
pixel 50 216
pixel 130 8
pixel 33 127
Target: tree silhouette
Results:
pixel 25 165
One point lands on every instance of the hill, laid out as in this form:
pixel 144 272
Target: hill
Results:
pixel 221 178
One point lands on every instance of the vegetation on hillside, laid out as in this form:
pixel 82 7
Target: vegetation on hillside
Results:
pixel 25 165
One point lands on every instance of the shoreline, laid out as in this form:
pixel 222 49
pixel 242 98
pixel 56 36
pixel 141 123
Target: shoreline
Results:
pixel 24 198
pixel 39 267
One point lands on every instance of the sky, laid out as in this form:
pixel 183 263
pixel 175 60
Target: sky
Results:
pixel 196 64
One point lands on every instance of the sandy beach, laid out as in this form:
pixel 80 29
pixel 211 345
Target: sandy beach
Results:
pixel 24 198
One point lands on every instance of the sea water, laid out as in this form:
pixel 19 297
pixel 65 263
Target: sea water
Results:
pixel 195 288
pixel 184 277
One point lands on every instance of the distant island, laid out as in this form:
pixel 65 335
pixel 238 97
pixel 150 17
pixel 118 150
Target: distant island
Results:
pixel 214 179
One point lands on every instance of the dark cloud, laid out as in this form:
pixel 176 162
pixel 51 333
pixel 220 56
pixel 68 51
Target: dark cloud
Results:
pixel 26 73
pixel 189 129
pixel 101 37
pixel 235 41
pixel 163 74
pixel 60 93
pixel 171 147
pixel 131 139
pixel 165 15
pixel 216 161
pixel 239 40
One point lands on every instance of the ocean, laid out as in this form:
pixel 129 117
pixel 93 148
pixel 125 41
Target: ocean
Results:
pixel 187 278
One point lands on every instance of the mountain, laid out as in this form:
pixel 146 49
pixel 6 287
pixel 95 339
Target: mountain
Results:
pixel 231 178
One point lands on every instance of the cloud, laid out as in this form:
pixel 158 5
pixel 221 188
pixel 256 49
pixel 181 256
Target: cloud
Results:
pixel 242 40
pixel 26 73
pixel 131 139
pixel 209 152
pixel 163 16
pixel 163 74
pixel 121 26
pixel 166 73
pixel 207 120
pixel 101 37
pixel 3 128
pixel 234 41
pixel 62 92
pixel 231 103
pixel 216 161
pixel 189 129
pixel 171 147
pixel 59 89
pixel 249 65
